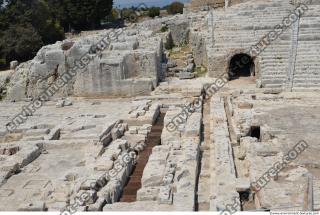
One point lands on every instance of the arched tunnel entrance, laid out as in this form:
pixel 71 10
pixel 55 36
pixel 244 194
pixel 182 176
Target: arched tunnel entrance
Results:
pixel 241 65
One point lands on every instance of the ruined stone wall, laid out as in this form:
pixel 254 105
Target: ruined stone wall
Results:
pixel 279 63
pixel 203 4
pixel 210 3
pixel 130 65
pixel 234 2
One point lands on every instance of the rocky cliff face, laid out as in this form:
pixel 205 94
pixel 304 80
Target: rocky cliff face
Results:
pixel 126 65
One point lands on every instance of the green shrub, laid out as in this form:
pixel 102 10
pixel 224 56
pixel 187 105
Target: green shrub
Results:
pixel 20 42
pixel 169 43
pixel 201 71
pixel 164 29
pixel 3 63
pixel 175 7
pixel 154 11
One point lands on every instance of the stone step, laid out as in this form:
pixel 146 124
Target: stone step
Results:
pixel 276 47
pixel 272 62
pixel 305 89
pixel 276 52
pixel 304 53
pixel 309 30
pixel 306 80
pixel 272 66
pixel 308 62
pixel 301 73
pixel 306 85
pixel 284 49
pixel 275 60
pixel 269 76
pixel 274 72
pixel 272 81
pixel 277 56
pixel 272 85
pixel 279 70
pixel 306 72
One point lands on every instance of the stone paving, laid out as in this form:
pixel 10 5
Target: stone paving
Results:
pixel 218 142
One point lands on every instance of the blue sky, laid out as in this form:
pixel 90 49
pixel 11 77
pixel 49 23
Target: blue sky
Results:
pixel 129 3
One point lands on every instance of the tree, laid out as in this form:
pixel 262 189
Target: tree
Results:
pixel 25 26
pixel 86 14
pixel 58 12
pixel 34 12
pixel 175 7
pixel 154 11
pixel 20 43
pixel 128 14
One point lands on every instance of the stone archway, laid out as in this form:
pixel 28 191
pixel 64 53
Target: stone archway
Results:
pixel 241 65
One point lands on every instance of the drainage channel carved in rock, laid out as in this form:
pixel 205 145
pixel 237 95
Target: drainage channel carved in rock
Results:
pixel 134 183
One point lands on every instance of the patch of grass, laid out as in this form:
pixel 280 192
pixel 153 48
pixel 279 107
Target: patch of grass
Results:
pixel 169 43
pixel 2 95
pixel 201 71
pixel 164 29
pixel 184 47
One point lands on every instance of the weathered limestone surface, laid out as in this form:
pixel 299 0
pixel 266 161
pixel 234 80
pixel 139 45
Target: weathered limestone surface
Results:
pixel 238 28
pixel 211 159
pixel 223 191
pixel 202 4
pixel 179 30
pixel 126 67
pixel 46 166
pixel 255 156
pixel 173 166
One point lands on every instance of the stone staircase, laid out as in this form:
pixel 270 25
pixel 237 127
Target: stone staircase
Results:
pixel 274 64
pixel 307 67
pixel 242 26
pixel 291 61
pixel 316 194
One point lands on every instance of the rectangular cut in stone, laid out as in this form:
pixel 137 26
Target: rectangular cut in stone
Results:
pixel 36 184
pixel 6 192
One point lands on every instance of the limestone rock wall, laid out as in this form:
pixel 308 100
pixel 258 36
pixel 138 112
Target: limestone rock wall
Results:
pixel 206 4
pixel 179 30
pixel 198 4
pixel 130 65
pixel 289 61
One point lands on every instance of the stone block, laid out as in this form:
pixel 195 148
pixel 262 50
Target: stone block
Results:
pixel 133 130
pixel 245 105
pixel 103 164
pixel 243 184
pixel 37 132
pixel 193 125
pixel 165 195
pixel 190 67
pixel 186 75
pixel 13 65
pixel 32 206
pixel 148 194
pixel 54 134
